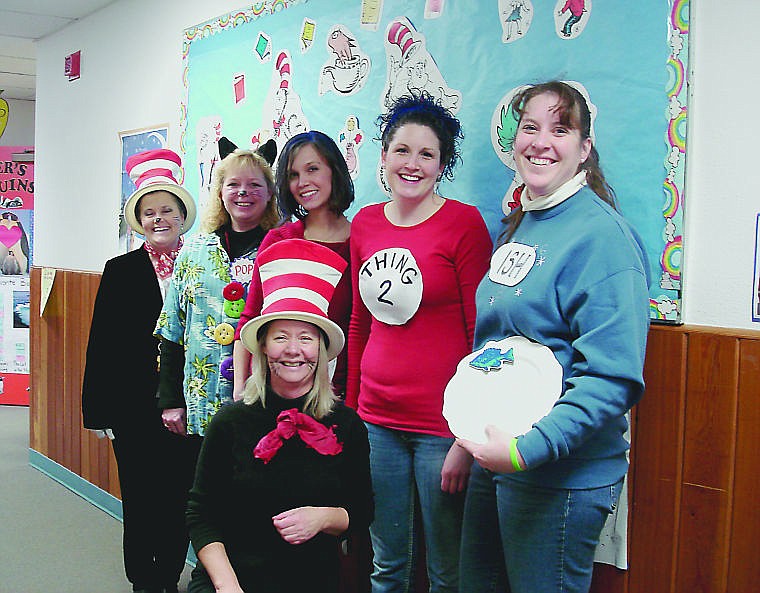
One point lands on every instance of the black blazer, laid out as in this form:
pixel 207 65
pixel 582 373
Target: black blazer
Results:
pixel 120 377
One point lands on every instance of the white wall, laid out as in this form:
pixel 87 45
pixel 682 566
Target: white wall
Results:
pixel 20 128
pixel 131 68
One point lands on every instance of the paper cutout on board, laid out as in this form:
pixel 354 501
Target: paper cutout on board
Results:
pixel 282 115
pixel 208 132
pixel 347 70
pixel 263 47
pixel 503 129
pixel 411 69
pixel 372 11
pixel 238 87
pixel 350 138
pixel 434 8
pixel 571 17
pixel 308 28
pixel 515 17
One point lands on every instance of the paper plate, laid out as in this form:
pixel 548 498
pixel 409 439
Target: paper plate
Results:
pixel 512 384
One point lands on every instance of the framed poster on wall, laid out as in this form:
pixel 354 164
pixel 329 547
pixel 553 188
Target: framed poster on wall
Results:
pixel 133 142
pixel 16 246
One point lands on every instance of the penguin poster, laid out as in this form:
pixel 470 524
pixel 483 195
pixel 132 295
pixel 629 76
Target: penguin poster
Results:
pixel 16 248
pixel 279 67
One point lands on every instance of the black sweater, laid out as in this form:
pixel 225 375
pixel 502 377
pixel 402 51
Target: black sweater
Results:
pixel 235 496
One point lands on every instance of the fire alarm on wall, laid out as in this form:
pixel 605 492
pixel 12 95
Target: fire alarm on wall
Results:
pixel 71 67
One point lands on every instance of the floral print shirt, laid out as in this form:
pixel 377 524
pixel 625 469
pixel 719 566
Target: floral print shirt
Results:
pixel 197 316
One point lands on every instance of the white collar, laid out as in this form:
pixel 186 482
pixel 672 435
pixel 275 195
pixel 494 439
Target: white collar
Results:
pixel 562 193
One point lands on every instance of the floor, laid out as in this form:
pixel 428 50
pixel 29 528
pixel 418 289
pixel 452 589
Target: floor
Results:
pixel 51 540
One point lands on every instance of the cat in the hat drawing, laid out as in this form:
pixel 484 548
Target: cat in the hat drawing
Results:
pixel 411 68
pixel 282 115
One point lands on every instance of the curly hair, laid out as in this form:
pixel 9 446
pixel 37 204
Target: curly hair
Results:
pixel 215 214
pixel 424 110
pixel 342 191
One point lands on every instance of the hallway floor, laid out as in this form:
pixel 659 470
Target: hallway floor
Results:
pixel 51 540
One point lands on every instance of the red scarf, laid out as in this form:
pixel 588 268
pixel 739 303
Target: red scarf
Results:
pixel 290 422
pixel 163 261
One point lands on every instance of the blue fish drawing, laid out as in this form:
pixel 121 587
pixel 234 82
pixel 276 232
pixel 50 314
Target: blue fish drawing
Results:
pixel 492 359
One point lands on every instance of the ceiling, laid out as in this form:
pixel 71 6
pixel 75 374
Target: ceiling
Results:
pixel 22 22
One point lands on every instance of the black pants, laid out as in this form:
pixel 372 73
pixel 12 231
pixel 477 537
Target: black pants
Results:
pixel 156 469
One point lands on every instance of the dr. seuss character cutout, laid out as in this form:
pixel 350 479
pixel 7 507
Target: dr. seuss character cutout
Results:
pixel 282 116
pixel 411 69
pixel 515 17
pixel 571 17
pixel 348 67
pixel 350 139
pixel 390 284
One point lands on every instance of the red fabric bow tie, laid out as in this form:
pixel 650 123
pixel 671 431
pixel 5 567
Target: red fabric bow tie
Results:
pixel 312 433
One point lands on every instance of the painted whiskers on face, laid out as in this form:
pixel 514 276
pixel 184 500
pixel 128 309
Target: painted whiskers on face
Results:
pixel 161 219
pixel 245 195
pixel 292 351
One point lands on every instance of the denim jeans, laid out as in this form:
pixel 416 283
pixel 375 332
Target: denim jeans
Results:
pixel 520 538
pixel 400 462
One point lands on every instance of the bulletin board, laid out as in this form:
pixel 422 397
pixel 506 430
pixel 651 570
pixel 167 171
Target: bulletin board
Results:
pixel 276 68
pixel 16 248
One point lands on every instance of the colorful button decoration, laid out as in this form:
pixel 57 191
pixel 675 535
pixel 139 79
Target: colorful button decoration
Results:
pixel 224 334
pixel 225 369
pixel 233 291
pixel 234 308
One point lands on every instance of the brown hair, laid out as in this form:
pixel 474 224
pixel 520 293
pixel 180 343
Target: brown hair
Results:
pixel 574 113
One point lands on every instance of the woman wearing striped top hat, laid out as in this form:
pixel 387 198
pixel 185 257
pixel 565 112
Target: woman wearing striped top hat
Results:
pixel 121 375
pixel 283 473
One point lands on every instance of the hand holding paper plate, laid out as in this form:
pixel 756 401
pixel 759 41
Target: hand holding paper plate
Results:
pixel 511 384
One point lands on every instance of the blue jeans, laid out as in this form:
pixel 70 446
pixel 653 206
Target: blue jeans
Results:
pixel 401 461
pixel 520 538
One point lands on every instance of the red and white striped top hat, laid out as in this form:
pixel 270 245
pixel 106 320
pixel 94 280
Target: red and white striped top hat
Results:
pixel 298 279
pixel 156 170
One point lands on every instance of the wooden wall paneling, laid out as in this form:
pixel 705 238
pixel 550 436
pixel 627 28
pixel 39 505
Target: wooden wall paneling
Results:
pixel 702 558
pixel 608 579
pixel 744 568
pixel 713 365
pixel 712 386
pixel 656 464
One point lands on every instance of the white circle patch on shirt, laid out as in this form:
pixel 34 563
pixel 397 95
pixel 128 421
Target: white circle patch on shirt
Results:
pixel 510 263
pixel 512 384
pixel 390 284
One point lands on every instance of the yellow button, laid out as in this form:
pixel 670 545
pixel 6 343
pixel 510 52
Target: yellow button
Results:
pixel 224 334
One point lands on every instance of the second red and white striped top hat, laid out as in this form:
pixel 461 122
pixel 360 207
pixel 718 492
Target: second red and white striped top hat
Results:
pixel 298 279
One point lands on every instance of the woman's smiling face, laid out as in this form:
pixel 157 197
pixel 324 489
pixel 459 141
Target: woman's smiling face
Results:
pixel 161 218
pixel 245 196
pixel 412 162
pixel 292 351
pixel 547 152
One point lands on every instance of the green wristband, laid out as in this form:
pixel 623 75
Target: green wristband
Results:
pixel 513 455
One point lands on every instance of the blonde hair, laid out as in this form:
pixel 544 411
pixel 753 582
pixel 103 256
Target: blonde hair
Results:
pixel 215 215
pixel 320 400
